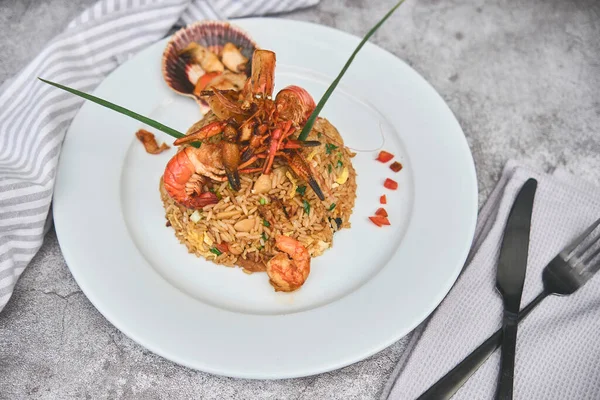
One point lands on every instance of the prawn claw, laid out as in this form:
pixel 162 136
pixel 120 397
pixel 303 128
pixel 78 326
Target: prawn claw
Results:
pixel 301 168
pixel 207 131
pixel 315 187
pixel 234 179
pixel 231 162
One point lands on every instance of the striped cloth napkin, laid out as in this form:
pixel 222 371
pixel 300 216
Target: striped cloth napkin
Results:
pixel 35 116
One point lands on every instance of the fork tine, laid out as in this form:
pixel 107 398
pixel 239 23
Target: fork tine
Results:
pixel 589 271
pixel 569 251
pixel 581 262
pixel 593 255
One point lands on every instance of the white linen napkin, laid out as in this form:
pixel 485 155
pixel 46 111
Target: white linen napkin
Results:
pixel 558 345
pixel 34 116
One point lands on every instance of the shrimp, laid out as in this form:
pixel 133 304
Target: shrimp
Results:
pixel 185 175
pixel 288 270
pixel 223 154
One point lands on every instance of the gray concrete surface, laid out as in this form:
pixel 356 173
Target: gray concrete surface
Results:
pixel 523 78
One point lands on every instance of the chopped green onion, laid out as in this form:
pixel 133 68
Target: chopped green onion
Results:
pixel 216 251
pixel 264 236
pixel 263 201
pixel 340 164
pixel 301 190
pixel 313 117
pixel 329 168
pixel 306 206
pixel 266 223
pixel 329 148
pixel 319 134
pixel 260 247
pixel 332 206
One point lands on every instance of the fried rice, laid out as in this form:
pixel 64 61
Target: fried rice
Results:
pixel 241 228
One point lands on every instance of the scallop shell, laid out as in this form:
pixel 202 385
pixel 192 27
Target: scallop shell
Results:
pixel 210 34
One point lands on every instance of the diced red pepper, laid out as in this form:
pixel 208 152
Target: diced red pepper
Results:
pixel 383 199
pixel 396 166
pixel 390 184
pixel 376 220
pixel 223 247
pixel 379 220
pixel 381 212
pixel 384 156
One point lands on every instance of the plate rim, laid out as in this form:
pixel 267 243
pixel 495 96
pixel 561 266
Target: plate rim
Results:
pixel 341 363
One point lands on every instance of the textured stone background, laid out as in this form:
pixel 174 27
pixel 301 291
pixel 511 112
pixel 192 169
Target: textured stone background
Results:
pixel 522 77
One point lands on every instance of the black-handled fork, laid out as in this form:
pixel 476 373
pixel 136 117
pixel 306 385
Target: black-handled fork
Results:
pixel 564 275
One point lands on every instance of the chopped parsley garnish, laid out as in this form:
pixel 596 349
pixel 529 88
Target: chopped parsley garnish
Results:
pixel 306 206
pixel 329 148
pixel 301 189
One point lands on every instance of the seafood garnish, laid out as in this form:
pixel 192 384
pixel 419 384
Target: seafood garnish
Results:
pixel 288 270
pixel 149 142
pixel 233 59
pixel 207 55
pixel 196 54
pixel 253 129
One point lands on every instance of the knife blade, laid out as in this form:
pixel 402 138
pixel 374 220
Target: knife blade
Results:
pixel 510 278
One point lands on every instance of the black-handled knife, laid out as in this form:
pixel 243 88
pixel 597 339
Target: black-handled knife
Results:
pixel 521 211
pixel 510 277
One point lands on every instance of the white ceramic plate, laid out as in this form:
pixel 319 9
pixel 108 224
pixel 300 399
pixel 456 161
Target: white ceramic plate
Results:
pixel 373 287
